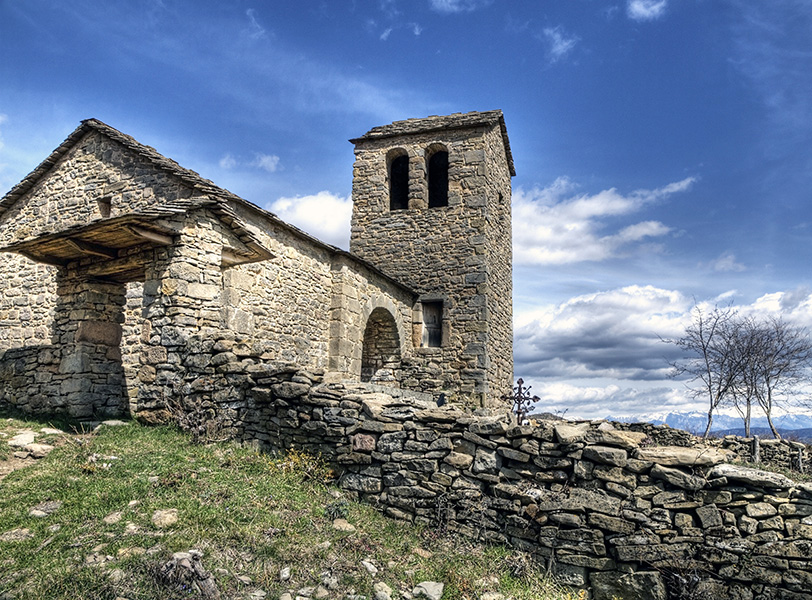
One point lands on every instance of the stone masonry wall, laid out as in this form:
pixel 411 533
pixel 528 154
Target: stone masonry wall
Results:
pixel 602 507
pixel 499 249
pixel 27 300
pixel 96 168
pixel 446 253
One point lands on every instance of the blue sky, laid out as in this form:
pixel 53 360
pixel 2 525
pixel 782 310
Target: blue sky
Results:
pixel 663 148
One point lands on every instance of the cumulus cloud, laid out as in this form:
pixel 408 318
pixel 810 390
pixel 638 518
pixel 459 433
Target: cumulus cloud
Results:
pixel 605 349
pixel 267 162
pixel 646 10
pixel 591 402
pixel 611 334
pixel 559 44
pixel 554 227
pixel 457 6
pixel 323 215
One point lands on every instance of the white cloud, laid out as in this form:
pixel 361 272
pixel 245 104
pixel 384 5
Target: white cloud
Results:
pixel 323 215
pixel 386 33
pixel 603 351
pixel 727 263
pixel 228 162
pixel 416 29
pixel 553 229
pixel 457 6
pixel 612 334
pixel 646 10
pixel 559 43
pixel 267 162
pixel 589 402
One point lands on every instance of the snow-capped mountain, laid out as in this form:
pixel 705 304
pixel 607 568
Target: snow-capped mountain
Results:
pixel 695 421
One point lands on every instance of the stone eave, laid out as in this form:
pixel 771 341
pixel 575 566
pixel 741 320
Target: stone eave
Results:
pixel 443 123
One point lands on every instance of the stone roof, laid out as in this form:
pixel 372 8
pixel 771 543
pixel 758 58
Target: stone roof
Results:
pixel 439 123
pixel 218 198
pixel 186 175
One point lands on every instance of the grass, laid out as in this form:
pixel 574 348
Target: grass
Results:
pixel 249 513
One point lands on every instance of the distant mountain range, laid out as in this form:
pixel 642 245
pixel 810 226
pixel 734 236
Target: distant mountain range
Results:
pixel 792 426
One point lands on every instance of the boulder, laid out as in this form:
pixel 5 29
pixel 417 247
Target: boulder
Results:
pixel 629 440
pixel 569 434
pixel 606 455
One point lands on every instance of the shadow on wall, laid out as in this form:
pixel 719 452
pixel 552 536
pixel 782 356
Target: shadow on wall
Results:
pixel 42 380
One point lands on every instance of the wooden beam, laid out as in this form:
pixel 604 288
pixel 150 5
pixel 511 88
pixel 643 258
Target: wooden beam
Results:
pixel 48 260
pixel 92 249
pixel 230 258
pixel 151 236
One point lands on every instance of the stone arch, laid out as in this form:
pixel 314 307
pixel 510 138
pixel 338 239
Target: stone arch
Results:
pixel 376 308
pixel 381 344
pixel 437 163
pixel 397 166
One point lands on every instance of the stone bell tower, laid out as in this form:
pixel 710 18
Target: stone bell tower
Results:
pixel 431 208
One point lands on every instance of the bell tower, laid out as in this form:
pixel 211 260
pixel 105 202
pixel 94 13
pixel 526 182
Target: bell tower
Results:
pixel 431 208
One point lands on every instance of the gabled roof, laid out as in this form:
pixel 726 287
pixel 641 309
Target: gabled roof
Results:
pixel 217 195
pixel 445 122
pixel 217 200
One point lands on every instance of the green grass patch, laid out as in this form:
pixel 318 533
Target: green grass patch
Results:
pixel 249 513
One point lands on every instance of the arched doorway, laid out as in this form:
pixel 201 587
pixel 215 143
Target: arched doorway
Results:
pixel 381 348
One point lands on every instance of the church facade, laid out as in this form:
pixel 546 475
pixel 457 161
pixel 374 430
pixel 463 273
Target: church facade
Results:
pixel 119 264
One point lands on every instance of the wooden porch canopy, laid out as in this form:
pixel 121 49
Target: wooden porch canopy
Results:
pixel 116 245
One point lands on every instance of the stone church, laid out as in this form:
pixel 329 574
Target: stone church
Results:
pixel 120 269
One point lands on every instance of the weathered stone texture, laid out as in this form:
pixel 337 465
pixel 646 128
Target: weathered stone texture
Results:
pixel 95 168
pixel 459 254
pixel 27 301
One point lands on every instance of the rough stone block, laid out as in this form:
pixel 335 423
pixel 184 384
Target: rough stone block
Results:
pixel 606 455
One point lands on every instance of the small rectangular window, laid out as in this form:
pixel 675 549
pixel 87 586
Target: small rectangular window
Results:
pixel 432 325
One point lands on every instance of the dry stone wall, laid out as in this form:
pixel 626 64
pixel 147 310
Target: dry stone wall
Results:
pixel 603 507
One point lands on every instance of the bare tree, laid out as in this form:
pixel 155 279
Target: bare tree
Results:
pixel 782 358
pixel 743 362
pixel 747 348
pixel 711 357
